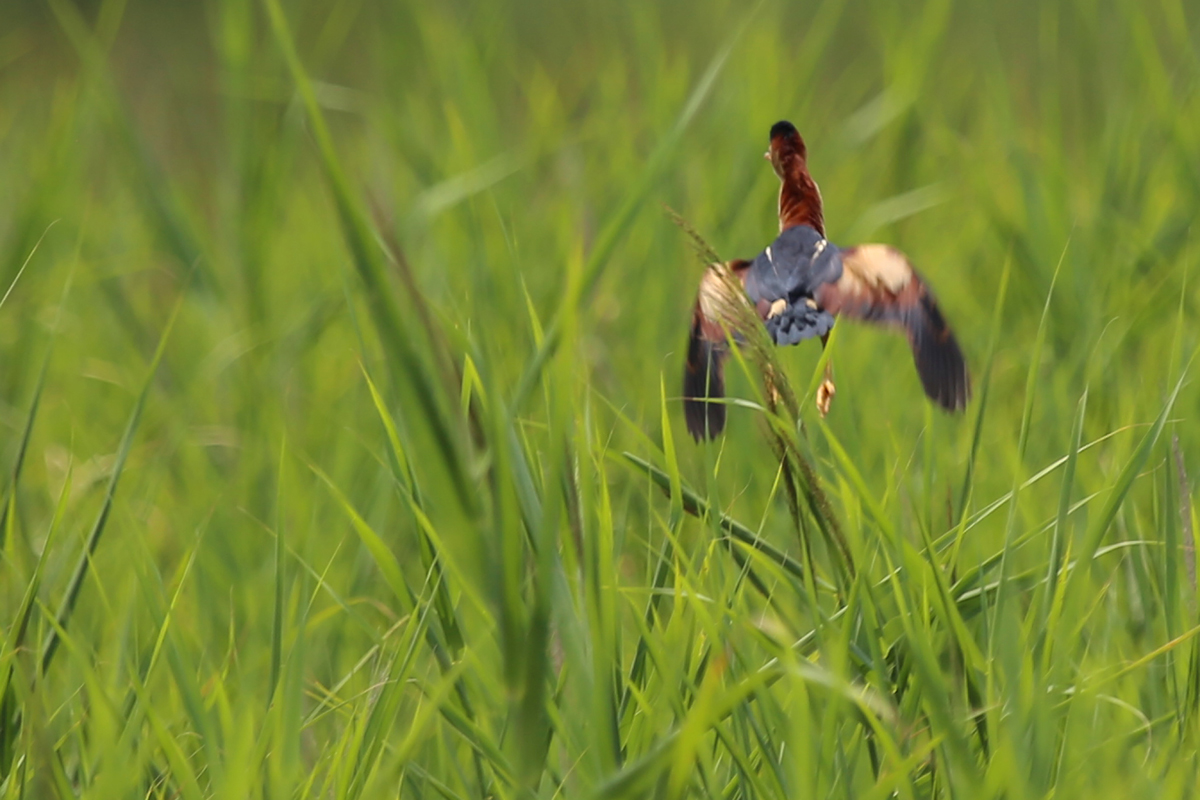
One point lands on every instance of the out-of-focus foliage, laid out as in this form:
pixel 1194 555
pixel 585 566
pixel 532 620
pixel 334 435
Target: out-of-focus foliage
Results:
pixel 339 406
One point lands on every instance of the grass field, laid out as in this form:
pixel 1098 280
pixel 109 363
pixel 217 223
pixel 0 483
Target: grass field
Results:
pixel 339 403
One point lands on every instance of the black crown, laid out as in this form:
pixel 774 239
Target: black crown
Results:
pixel 782 128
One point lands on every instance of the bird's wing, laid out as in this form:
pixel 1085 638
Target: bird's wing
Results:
pixel 878 284
pixel 704 370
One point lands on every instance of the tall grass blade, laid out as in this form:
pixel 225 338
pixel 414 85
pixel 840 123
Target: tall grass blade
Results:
pixel 1031 387
pixel 161 202
pixel 1059 536
pixel 280 547
pixel 411 376
pixel 1120 489
pixel 75 584
pixel 964 494
pixel 10 717
pixel 615 229
pixel 381 554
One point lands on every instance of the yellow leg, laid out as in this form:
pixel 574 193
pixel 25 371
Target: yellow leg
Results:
pixel 826 390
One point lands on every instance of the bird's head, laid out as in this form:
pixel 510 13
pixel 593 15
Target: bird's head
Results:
pixel 786 146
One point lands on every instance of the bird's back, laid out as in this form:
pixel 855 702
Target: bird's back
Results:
pixel 791 269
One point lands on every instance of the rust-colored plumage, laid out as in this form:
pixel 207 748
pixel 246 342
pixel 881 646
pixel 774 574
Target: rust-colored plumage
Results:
pixel 799 195
pixel 800 283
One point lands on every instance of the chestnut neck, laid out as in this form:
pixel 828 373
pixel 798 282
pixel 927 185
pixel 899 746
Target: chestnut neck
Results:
pixel 799 197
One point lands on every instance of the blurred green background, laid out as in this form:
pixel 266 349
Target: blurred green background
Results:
pixel 457 585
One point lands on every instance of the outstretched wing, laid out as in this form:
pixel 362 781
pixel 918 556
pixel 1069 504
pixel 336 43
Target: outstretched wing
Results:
pixel 879 285
pixel 703 379
pixel 704 370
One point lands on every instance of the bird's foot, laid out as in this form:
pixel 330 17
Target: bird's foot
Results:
pixel 777 308
pixel 825 393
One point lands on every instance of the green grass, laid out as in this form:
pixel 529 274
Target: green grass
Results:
pixel 340 426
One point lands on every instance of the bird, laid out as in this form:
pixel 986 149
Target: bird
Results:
pixel 799 285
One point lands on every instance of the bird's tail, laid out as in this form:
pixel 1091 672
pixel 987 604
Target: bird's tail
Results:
pixel 703 380
pixel 939 359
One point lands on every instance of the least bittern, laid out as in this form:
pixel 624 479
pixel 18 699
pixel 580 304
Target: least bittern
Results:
pixel 800 284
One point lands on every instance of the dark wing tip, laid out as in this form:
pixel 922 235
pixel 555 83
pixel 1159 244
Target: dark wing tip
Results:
pixel 939 359
pixel 704 420
pixel 703 378
pixel 879 285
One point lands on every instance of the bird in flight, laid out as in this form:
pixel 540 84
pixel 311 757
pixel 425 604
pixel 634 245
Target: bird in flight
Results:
pixel 799 285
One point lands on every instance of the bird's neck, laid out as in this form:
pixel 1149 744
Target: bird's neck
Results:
pixel 800 199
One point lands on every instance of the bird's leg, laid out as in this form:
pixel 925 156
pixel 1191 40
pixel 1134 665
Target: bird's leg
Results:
pixel 826 390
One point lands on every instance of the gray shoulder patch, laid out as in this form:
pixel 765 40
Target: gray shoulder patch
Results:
pixel 794 265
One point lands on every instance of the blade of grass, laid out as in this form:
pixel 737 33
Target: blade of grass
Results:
pixel 614 231
pixel 1022 441
pixel 280 549
pixel 1124 483
pixel 697 507
pixel 1059 535
pixel 13 284
pixel 381 554
pixel 162 203
pixel 410 373
pixel 67 606
pixel 7 518
pixel 964 495
pixel 10 717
